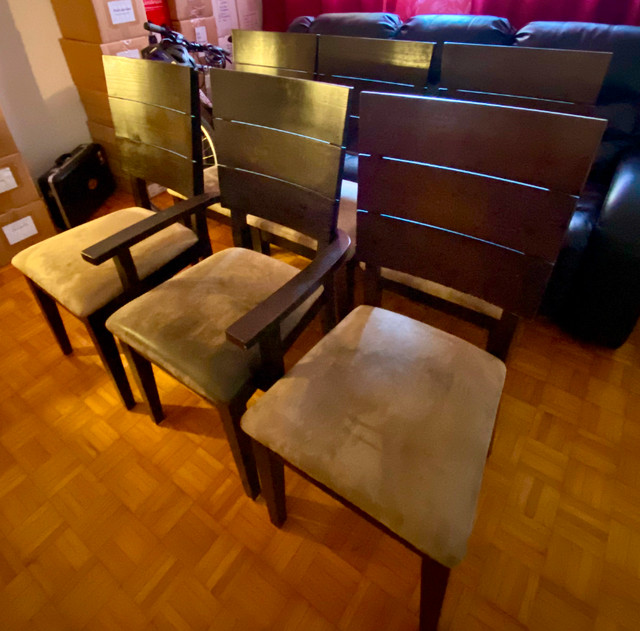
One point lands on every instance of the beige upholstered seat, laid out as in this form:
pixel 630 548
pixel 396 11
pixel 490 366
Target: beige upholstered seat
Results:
pixel 181 324
pixel 396 417
pixel 56 265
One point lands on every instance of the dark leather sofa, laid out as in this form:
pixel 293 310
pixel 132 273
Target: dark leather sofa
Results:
pixel 594 292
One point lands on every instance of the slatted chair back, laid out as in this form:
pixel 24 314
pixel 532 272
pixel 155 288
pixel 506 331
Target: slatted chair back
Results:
pixel 155 111
pixel 282 54
pixel 281 141
pixel 472 196
pixel 543 78
pixel 373 64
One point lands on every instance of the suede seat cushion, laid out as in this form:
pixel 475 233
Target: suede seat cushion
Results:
pixel 57 266
pixel 396 417
pixel 180 325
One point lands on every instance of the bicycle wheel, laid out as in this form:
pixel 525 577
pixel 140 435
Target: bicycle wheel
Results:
pixel 208 151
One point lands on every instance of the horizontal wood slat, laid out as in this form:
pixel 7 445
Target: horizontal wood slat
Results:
pixel 530 220
pixel 552 150
pixel 292 51
pixel 468 265
pixel 311 108
pixel 144 80
pixel 296 159
pixel 149 124
pixel 292 206
pixel 563 75
pixel 398 61
pixel 157 165
pixel 277 72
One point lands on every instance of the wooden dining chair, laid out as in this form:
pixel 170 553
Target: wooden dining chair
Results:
pixel 280 151
pixel 147 98
pixel 390 415
pixel 542 78
pixel 282 54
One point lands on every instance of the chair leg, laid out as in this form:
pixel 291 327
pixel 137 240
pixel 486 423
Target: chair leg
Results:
pixel 271 471
pixel 107 348
pixel 433 585
pixel 49 309
pixel 240 445
pixel 142 370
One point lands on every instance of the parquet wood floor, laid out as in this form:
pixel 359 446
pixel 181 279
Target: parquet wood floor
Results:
pixel 110 522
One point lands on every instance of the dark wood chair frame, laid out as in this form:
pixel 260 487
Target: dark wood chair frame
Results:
pixel 261 326
pixel 464 249
pixel 149 85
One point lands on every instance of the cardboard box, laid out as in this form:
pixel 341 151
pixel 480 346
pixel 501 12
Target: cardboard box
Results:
pixel 7 144
pixel 85 59
pixel 201 30
pixel 100 21
pixel 96 105
pixel 22 227
pixel 16 186
pixel 249 14
pixel 189 9
pixel 226 16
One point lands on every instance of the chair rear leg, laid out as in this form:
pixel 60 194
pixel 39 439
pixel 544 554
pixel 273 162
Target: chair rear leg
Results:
pixel 107 348
pixel 433 585
pixel 240 445
pixel 271 472
pixel 143 374
pixel 49 309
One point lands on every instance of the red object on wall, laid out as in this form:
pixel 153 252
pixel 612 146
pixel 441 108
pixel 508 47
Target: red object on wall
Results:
pixel 157 12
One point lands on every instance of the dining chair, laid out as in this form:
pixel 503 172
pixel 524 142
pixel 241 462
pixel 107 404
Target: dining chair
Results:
pixel 282 54
pixel 542 78
pixel 392 416
pixel 280 156
pixel 146 99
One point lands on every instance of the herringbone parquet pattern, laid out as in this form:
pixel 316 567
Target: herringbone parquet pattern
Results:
pixel 110 522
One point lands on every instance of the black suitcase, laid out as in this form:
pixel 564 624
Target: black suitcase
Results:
pixel 77 185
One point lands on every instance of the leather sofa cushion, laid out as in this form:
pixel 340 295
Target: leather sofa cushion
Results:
pixel 471 29
pixel 380 25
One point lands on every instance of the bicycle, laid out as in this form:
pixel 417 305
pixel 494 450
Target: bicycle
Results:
pixel 175 48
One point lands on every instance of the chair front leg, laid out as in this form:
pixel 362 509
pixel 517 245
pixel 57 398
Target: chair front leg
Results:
pixel 433 585
pixel 143 374
pixel 107 348
pixel 271 472
pixel 50 311
pixel 240 445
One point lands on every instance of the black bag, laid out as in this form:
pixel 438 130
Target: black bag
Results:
pixel 77 185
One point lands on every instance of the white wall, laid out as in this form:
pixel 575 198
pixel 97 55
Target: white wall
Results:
pixel 37 95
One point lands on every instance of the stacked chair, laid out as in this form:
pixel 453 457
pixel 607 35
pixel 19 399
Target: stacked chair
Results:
pixel 146 98
pixel 392 416
pixel 280 156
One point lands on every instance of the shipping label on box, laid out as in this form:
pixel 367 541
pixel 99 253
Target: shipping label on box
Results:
pixel 22 227
pixel 121 11
pixel 226 16
pixel 16 186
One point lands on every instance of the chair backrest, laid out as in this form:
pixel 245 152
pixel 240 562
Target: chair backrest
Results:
pixel 543 78
pixel 156 115
pixel 282 54
pixel 280 146
pixel 472 196
pixel 373 64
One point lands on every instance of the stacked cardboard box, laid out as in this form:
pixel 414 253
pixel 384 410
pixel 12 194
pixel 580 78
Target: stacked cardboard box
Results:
pixel 91 29
pixel 24 219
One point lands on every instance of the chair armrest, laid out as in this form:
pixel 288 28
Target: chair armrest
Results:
pixel 620 215
pixel 123 240
pixel 248 330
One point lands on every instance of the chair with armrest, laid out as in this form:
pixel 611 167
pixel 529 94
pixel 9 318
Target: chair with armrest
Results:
pixel 146 99
pixel 541 78
pixel 390 415
pixel 280 151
